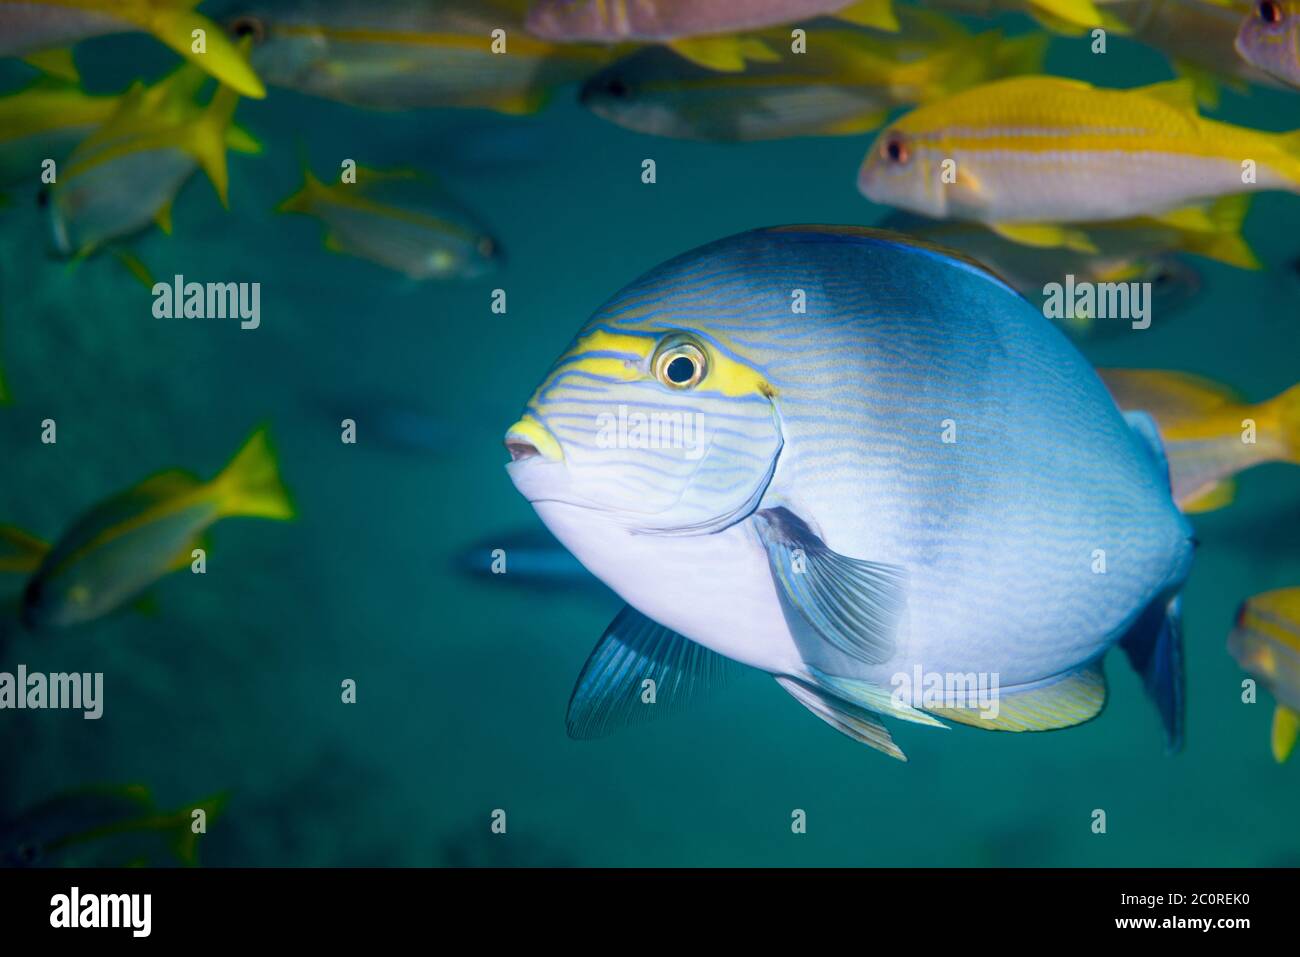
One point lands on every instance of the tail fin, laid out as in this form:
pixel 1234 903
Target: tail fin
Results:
pixel 1286 725
pixel 181 28
pixel 304 200
pixel 19 551
pixel 250 485
pixel 1221 238
pixel 1285 414
pixel 1018 55
pixel 1154 646
pixel 57 63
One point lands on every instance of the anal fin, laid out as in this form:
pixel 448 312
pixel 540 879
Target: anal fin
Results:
pixel 844 717
pixel 1073 699
pixel 1286 725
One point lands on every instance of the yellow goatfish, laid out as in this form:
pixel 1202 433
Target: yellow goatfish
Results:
pixel 32 26
pixel 110 555
pixel 45 121
pixel 1266 643
pixel 1026 154
pixel 393 54
pixel 1210 434
pixel 126 174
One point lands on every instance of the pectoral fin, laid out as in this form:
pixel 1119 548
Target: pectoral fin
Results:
pixel 852 604
pixel 1045 236
pixel 725 54
pixel 1286 724
pixel 844 717
pixel 1074 699
pixel 1154 646
pixel 612 690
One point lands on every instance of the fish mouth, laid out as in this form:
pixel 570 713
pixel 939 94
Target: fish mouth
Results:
pixel 529 439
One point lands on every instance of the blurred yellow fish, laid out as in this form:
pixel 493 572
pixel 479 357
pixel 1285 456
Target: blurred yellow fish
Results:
pixel 31 26
pixel 126 174
pixel 100 825
pixel 701 31
pixel 399 219
pixel 393 54
pixel 847 82
pixel 45 121
pixel 1027 154
pixel 110 555
pixel 1209 433
pixel 1266 643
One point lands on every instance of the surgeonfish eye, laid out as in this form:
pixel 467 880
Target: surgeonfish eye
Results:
pixel 242 27
pixel 894 149
pixel 1270 11
pixel 616 88
pixel 679 363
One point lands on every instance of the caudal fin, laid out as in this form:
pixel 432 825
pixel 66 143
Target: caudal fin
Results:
pixel 20 552
pixel 1284 412
pixel 250 485
pixel 203 43
pixel 1154 646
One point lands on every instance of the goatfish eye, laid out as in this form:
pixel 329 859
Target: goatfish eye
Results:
pixel 1270 11
pixel 679 363
pixel 894 149
pixel 242 27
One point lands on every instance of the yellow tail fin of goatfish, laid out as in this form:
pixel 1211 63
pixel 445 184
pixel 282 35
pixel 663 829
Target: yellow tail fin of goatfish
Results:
pixel 20 551
pixel 1283 414
pixel 250 485
pixel 176 24
pixel 1286 725
pixel 57 63
pixel 877 14
pixel 1214 231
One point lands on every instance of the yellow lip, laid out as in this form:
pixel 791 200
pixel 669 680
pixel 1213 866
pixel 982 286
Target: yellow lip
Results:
pixel 529 432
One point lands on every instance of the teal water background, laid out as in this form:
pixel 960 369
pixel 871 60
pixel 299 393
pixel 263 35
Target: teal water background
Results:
pixel 462 683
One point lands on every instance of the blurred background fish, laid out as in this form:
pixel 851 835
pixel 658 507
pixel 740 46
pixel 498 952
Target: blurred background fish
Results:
pixel 45 120
pixel 127 173
pixel 525 558
pixel 399 219
pixel 109 556
pixel 1266 643
pixel 847 82
pixel 1134 251
pixel 1209 432
pixel 393 54
pixel 701 31
pixel 1027 154
pixel 30 27
pixel 1269 39
pixel 105 826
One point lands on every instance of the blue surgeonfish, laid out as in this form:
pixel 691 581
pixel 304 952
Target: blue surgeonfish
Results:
pixel 865 465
